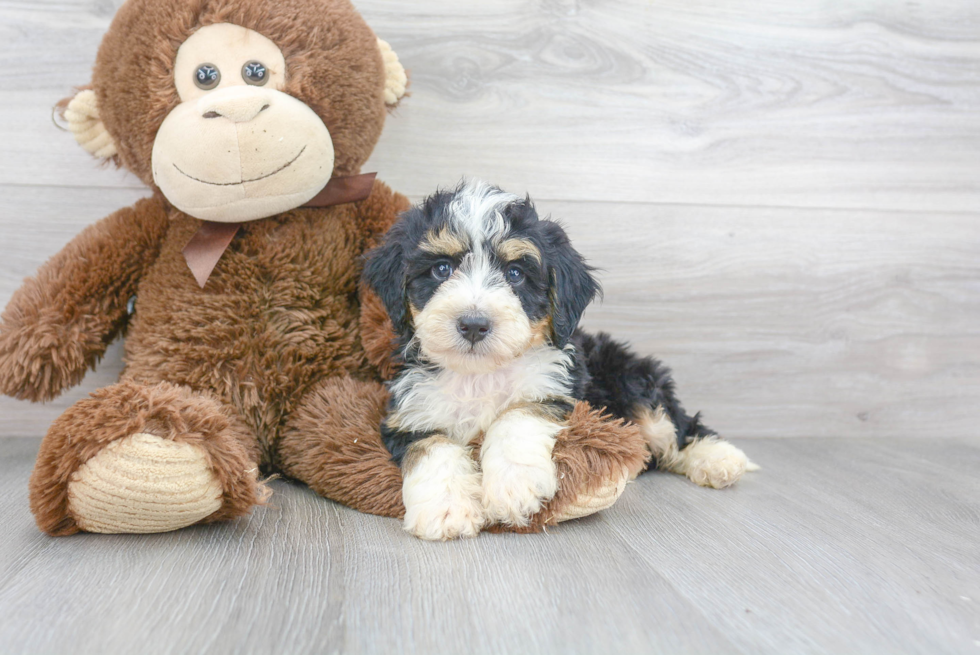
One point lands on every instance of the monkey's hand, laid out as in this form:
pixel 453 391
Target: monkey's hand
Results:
pixel 60 322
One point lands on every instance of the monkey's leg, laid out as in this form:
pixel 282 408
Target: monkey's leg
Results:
pixel 333 444
pixel 135 459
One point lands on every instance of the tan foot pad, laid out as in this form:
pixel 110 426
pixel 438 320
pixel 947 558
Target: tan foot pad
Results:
pixel 142 484
pixel 601 498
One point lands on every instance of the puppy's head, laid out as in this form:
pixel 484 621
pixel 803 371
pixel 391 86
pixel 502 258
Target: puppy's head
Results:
pixel 477 278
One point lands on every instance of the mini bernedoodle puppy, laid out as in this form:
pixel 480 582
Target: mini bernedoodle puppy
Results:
pixel 485 298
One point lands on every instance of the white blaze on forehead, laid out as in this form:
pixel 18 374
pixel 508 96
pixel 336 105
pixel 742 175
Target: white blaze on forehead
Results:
pixel 476 210
pixel 478 274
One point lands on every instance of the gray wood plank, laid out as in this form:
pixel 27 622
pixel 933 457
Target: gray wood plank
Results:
pixel 500 593
pixel 796 322
pixel 863 105
pixel 21 540
pixel 264 582
pixel 837 545
pixel 777 322
pixel 761 103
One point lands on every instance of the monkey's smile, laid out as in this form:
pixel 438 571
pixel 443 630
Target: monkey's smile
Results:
pixel 254 179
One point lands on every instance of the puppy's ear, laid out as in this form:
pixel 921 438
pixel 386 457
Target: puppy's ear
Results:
pixel 384 271
pixel 572 286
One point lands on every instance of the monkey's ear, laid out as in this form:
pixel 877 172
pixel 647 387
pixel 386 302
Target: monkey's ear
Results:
pixel 396 80
pixel 82 114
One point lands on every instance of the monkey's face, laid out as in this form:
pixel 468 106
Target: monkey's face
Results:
pixel 237 110
pixel 237 148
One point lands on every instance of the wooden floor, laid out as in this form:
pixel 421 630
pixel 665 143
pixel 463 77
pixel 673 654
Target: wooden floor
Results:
pixel 835 546
pixel 784 202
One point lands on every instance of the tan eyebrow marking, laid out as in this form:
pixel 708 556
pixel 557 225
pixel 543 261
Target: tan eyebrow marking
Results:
pixel 444 242
pixel 512 249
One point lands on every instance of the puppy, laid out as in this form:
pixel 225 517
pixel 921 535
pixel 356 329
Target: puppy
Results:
pixel 485 298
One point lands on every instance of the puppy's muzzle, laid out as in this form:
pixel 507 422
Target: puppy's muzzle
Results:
pixel 474 327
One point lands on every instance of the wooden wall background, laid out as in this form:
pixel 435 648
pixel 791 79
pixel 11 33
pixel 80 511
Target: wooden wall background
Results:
pixel 784 196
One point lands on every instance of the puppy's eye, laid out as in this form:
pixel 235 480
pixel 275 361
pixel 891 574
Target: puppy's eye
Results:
pixel 515 274
pixel 442 270
pixel 207 76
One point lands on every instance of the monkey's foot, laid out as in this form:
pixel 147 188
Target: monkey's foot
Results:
pixel 596 500
pixel 141 484
pixel 135 458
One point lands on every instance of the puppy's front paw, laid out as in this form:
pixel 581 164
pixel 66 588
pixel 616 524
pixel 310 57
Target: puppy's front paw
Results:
pixel 445 516
pixel 514 492
pixel 442 492
pixel 519 475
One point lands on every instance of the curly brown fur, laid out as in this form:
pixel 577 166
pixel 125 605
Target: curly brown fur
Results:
pixel 332 443
pixel 59 323
pixel 377 333
pixel 279 313
pixel 164 410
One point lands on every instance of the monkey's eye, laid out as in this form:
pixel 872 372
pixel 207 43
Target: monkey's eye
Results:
pixel 515 274
pixel 442 270
pixel 254 72
pixel 207 76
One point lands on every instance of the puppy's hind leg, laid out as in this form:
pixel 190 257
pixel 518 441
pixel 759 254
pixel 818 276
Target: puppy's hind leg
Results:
pixel 641 390
pixel 442 490
pixel 708 461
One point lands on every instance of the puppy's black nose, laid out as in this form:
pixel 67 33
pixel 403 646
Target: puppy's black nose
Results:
pixel 473 327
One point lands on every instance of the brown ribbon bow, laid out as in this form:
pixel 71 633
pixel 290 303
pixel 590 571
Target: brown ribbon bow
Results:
pixel 207 246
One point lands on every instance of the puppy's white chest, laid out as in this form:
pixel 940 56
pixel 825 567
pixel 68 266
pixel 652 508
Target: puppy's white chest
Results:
pixel 464 405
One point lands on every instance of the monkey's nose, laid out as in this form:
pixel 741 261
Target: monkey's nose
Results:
pixel 237 104
pixel 473 327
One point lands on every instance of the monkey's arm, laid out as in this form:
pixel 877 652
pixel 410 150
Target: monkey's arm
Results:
pixel 60 322
pixel 378 211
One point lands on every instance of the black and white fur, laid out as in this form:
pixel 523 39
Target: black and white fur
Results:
pixel 485 298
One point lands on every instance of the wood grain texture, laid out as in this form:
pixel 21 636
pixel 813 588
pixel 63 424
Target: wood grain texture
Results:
pixel 870 104
pixel 863 546
pixel 783 197
pixel 777 322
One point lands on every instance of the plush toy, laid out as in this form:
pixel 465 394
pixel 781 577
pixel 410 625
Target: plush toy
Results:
pixel 251 346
